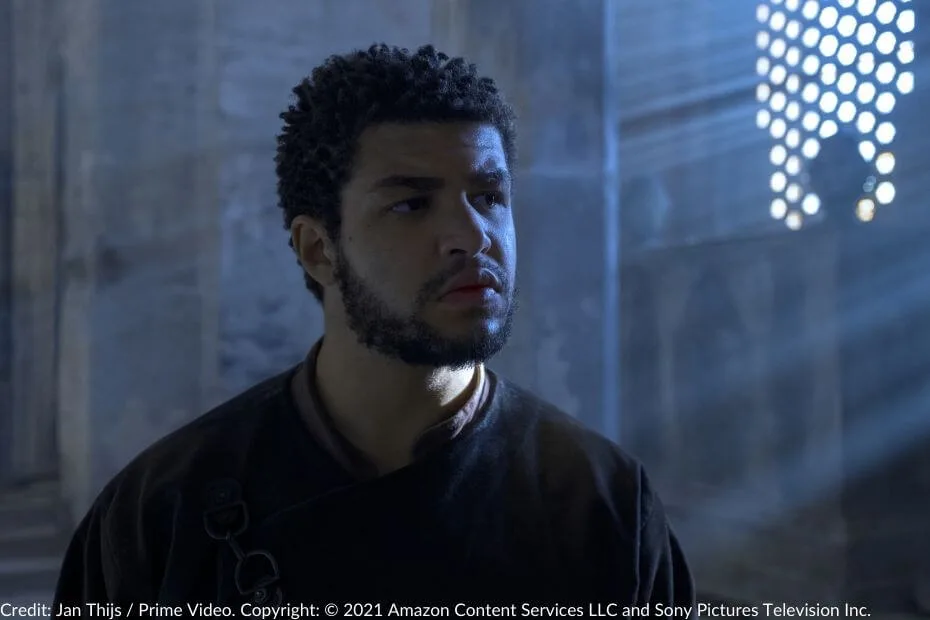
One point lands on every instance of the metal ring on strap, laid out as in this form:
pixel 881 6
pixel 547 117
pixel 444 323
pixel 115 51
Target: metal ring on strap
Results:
pixel 226 517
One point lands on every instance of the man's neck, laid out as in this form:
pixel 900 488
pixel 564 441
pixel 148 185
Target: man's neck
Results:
pixel 382 405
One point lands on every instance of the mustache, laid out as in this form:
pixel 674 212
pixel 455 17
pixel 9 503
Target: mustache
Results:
pixel 438 282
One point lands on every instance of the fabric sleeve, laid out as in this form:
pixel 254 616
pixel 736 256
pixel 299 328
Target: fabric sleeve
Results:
pixel 665 578
pixel 84 569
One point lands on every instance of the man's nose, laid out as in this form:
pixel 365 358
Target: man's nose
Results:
pixel 463 229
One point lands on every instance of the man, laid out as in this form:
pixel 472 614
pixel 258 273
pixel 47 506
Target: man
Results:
pixel 390 466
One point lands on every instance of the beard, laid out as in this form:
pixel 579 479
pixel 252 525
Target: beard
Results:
pixel 411 339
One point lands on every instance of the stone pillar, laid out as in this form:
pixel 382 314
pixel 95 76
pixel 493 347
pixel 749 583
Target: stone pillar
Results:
pixel 139 318
pixel 79 90
pixel 33 235
pixel 552 59
pixel 6 267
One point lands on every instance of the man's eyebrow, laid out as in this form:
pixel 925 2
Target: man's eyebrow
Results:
pixel 498 176
pixel 423 184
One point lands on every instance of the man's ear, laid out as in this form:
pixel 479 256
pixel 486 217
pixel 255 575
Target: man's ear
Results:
pixel 315 250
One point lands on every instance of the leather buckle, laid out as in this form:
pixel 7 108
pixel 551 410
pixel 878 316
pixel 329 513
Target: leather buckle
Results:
pixel 226 514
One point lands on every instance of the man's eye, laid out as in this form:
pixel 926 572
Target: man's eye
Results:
pixel 410 205
pixel 490 199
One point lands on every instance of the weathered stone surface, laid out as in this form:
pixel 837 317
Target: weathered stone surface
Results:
pixel 138 330
pixel 6 237
pixel 561 282
pixel 737 328
pixel 32 215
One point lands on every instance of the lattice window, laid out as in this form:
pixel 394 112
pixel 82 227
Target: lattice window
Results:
pixel 825 64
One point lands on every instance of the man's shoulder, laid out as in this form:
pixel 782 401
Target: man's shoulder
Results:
pixel 214 440
pixel 572 465
pixel 563 441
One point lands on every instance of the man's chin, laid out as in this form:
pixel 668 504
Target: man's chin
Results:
pixel 476 345
pixel 476 332
pixel 464 354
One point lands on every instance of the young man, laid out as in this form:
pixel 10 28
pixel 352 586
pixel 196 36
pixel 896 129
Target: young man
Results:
pixel 390 466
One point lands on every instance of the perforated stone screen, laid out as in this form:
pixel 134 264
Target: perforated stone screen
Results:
pixel 824 64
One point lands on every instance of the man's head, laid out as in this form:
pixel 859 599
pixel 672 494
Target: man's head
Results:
pixel 394 177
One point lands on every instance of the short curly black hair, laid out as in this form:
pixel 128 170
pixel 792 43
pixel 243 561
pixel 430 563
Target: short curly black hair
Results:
pixel 347 94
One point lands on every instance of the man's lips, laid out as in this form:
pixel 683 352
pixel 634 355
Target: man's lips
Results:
pixel 472 282
pixel 470 294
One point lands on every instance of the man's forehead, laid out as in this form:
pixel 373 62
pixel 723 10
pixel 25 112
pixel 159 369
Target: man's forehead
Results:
pixel 409 148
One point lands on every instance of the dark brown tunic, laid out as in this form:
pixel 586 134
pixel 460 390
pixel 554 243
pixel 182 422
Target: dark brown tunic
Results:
pixel 514 502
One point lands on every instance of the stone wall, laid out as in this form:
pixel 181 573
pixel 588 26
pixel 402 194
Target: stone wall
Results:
pixel 138 344
pixel 32 267
pixel 6 237
pixel 733 403
pixel 739 388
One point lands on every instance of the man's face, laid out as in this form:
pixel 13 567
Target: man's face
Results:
pixel 427 209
